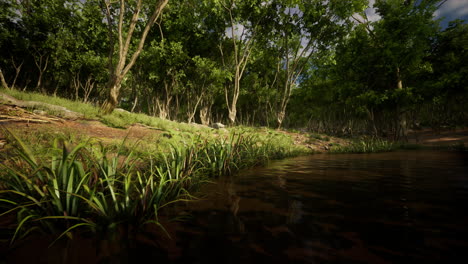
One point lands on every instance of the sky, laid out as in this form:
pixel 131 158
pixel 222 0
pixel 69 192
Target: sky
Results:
pixel 450 10
pixel 453 9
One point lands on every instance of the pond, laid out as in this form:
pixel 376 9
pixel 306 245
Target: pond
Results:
pixel 397 207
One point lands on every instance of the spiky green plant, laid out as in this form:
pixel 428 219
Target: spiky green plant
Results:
pixel 367 145
pixel 45 196
pixel 85 187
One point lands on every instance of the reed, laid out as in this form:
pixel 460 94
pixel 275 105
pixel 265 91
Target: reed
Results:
pixel 102 189
pixel 83 187
pixel 367 145
pixel 45 197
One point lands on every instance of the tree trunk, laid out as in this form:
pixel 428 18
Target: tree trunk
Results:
pixel 280 118
pixel 2 79
pixel 232 114
pixel 205 116
pixel 134 103
pixel 402 127
pixel 41 68
pixel 17 70
pixel 112 100
pixel 87 88
pixel 121 68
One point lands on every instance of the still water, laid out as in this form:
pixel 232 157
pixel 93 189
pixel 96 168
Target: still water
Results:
pixel 398 207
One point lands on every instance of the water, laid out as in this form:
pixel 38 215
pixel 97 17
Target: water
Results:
pixel 399 207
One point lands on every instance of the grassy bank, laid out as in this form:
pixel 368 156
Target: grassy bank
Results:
pixel 375 145
pixel 118 119
pixel 65 182
pixel 368 145
pixel 86 185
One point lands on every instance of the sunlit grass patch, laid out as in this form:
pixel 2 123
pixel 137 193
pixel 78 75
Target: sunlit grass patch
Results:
pixel 367 145
pixel 83 187
pixel 86 186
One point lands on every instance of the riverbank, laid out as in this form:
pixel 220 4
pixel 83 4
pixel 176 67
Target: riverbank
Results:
pixel 68 170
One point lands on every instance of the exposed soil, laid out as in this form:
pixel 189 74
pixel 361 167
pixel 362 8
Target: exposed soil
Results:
pixel 19 119
pixel 429 137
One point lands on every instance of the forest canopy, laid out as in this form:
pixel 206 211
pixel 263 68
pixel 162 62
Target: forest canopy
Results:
pixel 318 65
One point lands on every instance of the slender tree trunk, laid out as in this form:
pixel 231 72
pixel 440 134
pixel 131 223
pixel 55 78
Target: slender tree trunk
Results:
pixel 113 96
pixel 121 68
pixel 42 68
pixel 205 113
pixel 2 79
pixel 135 102
pixel 87 88
pixel 242 52
pixel 191 111
pixel 402 127
pixel 17 71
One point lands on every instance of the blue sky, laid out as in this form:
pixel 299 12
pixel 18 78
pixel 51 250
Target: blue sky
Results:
pixel 453 9
pixel 450 10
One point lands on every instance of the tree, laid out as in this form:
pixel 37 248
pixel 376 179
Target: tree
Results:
pixel 377 63
pixel 119 70
pixel 236 46
pixel 300 30
pixel 446 88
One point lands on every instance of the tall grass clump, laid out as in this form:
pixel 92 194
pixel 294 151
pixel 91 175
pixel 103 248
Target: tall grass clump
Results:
pixel 83 188
pixel 367 145
pixel 225 156
pixel 92 188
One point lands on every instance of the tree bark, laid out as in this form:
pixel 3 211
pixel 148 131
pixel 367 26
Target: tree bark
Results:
pixel 119 71
pixel 205 113
pixel 2 79
pixel 241 58
pixel 17 71
pixel 402 127
pixel 112 99
pixel 41 68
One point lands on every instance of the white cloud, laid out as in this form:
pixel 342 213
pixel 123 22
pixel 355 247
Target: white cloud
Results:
pixel 370 12
pixel 239 31
pixel 450 10
pixel 453 9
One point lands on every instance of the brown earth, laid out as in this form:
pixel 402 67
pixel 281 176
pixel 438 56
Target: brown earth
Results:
pixel 19 119
pixel 429 137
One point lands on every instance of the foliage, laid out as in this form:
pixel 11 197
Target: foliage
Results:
pixel 367 145
pixel 320 65
pixel 90 187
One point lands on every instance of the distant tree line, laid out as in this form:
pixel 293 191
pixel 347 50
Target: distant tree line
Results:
pixel 320 65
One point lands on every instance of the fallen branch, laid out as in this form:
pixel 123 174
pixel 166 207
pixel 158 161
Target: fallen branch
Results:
pixel 32 104
pixel 16 118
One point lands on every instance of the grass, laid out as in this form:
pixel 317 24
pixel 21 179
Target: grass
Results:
pixel 367 145
pixel 118 119
pixel 86 186
pixel 314 137
pixel 87 110
pixel 64 183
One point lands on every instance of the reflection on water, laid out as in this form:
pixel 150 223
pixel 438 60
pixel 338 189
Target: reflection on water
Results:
pixel 400 207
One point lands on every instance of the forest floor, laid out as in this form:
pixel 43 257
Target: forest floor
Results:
pixel 17 118
pixel 432 138
pixel 26 122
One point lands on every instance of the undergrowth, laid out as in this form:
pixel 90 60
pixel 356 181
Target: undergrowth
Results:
pixel 86 186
